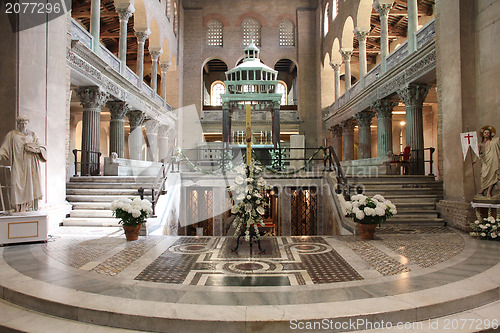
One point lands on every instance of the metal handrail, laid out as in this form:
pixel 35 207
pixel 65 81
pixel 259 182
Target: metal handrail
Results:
pixel 342 184
pixel 86 168
pixel 161 178
pixel 430 160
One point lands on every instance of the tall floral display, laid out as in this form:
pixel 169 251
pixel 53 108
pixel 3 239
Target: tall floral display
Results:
pixel 249 206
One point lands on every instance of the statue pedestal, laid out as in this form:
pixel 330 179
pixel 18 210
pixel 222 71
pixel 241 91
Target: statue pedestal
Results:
pixel 482 208
pixel 23 227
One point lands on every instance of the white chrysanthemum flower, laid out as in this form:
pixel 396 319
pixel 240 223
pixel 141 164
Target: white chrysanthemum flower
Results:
pixel 476 222
pixel 249 180
pixel 136 213
pixel 380 211
pixel 491 219
pixel 493 235
pixel 378 197
pixel 367 211
pixel 261 210
pixel 257 202
pixel 483 234
pixel 249 197
pixel 239 180
pixel 240 197
pixel 248 208
pixel 360 215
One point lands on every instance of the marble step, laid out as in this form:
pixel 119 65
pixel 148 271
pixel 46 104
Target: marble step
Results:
pixel 95 222
pixel 91 205
pixel 80 185
pixel 403 219
pixel 99 198
pixel 403 191
pixel 88 213
pixel 102 192
pixel 113 179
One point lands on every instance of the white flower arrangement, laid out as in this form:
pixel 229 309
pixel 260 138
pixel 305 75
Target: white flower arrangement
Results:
pixel 486 227
pixel 249 206
pixel 131 212
pixel 368 210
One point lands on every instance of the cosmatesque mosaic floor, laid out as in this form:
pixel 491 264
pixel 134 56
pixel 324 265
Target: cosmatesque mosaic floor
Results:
pixel 285 261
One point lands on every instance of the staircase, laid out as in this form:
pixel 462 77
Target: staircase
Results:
pixel 415 196
pixel 91 197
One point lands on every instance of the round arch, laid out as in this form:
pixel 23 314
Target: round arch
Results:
pixel 336 56
pixel 165 56
pixel 140 16
pixel 363 17
pixel 155 37
pixel 348 34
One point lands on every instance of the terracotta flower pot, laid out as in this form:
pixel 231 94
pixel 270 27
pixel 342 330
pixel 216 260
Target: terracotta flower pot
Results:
pixel 132 232
pixel 366 230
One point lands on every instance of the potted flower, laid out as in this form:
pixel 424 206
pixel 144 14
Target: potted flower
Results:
pixel 486 227
pixel 132 214
pixel 369 212
pixel 250 205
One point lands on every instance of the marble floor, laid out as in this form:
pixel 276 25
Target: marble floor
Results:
pixel 408 274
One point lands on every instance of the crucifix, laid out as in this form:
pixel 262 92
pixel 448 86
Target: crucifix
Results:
pixel 249 133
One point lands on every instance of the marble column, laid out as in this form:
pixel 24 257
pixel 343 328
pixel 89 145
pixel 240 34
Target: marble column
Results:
pixel 383 10
pixel 346 55
pixel 348 129
pixel 336 68
pixel 164 67
pixel 337 141
pixel 141 39
pixel 364 119
pixel 136 119
pixel 227 115
pixel 361 35
pixel 95 23
pixel 155 54
pixel 151 126
pixel 163 143
pixel 92 99
pixel 413 96
pixel 412 25
pixel 276 124
pixel 118 110
pixel 124 15
pixel 383 109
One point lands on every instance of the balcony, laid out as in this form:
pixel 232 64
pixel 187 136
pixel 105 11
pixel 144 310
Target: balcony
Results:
pixel 104 69
pixel 402 68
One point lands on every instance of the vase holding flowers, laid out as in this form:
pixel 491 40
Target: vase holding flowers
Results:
pixel 369 212
pixel 132 215
pixel 249 206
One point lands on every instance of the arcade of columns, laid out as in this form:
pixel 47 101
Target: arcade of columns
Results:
pixel 413 97
pixel 93 98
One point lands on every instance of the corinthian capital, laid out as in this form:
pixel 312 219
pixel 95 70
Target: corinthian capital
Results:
pixel 155 52
pixel 382 7
pixel 336 65
pixel 142 35
pixel 383 108
pixel 364 118
pixel 413 94
pixel 151 126
pixel 346 54
pixel 125 14
pixel 348 125
pixel 337 131
pixel 361 34
pixel 91 97
pixel 135 118
pixel 117 109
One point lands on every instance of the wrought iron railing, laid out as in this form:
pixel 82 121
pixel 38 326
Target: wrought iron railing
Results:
pixel 89 162
pixel 418 160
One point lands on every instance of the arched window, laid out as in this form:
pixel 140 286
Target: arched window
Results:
pixel 326 20
pixel 176 18
pixel 217 89
pixel 251 30
pixel 281 89
pixel 169 9
pixel 335 9
pixel 287 33
pixel 214 33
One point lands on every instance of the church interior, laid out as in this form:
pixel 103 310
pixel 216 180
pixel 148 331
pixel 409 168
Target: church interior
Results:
pixel 261 138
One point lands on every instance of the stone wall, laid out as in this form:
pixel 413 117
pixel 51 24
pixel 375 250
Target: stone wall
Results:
pixel 456 214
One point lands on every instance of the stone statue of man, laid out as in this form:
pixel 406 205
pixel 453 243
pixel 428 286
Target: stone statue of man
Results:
pixel 489 149
pixel 24 154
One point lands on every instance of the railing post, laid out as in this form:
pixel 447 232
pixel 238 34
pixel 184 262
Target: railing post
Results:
pixel 431 161
pixel 141 192
pixel 75 153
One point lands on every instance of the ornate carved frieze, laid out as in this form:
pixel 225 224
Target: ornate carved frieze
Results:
pixel 421 66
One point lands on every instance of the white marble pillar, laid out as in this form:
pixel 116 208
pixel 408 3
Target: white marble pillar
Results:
pixel 155 54
pixel 92 99
pixel 227 116
pixel 163 143
pixel 136 119
pixel 141 39
pixel 361 35
pixel 346 55
pixel 118 110
pixel 151 126
pixel 412 25
pixel 336 69
pixel 124 14
pixel 348 129
pixel 364 119
pixel 337 141
pixel 276 124
pixel 95 23
pixel 383 10
pixel 413 96
pixel 164 67
pixel 383 109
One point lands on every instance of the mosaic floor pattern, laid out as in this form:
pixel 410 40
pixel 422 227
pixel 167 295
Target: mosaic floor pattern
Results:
pixel 285 261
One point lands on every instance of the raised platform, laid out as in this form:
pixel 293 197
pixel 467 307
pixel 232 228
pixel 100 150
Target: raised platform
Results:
pixel 182 284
